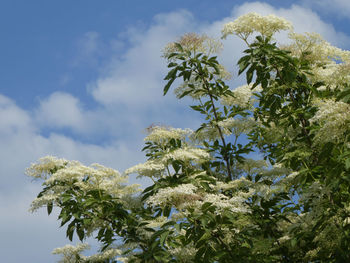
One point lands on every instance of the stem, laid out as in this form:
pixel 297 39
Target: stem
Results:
pixel 228 165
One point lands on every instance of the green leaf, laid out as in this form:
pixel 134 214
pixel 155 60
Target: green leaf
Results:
pixel 347 163
pixel 70 230
pixel 49 208
pixel 167 86
pixel 178 45
pixel 185 93
pixel 243 63
pixel 206 236
pixel 167 211
pixel 249 74
pixel 163 237
pixel 80 233
pixel 172 64
pixel 171 74
pixel 65 219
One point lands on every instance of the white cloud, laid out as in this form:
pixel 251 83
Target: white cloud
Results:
pixel 60 110
pixel 134 79
pixel 335 7
pixel 90 47
pixel 12 119
pixel 22 143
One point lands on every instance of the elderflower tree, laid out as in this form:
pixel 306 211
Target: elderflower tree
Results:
pixel 209 201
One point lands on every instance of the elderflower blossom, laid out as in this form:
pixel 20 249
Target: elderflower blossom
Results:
pixel 316 49
pixel 70 253
pixel 195 44
pixel 242 96
pixel 237 126
pixel 284 239
pixel 194 86
pixel 234 204
pixel 210 132
pixel 235 184
pixel 151 168
pixel 162 135
pixel 333 75
pixel 229 126
pixel 333 117
pixel 187 154
pixel 157 222
pixel 76 171
pixel 46 166
pixel 178 196
pixel 184 253
pixel 74 174
pixel 329 64
pixel 108 254
pixel 156 168
pixel 247 24
pixel 43 200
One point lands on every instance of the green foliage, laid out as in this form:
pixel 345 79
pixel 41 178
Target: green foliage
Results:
pixel 209 201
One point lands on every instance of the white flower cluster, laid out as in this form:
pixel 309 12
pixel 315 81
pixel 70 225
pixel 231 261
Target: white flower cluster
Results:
pixel 242 97
pixel 234 204
pixel 157 168
pixel 187 154
pixel 316 49
pixel 43 201
pixel 195 44
pixel 184 254
pixel 157 222
pixel 105 256
pixel 237 126
pixel 247 24
pixel 73 173
pixel 333 117
pixel 329 63
pixel 188 195
pixel 210 132
pixel 333 75
pixel 46 166
pixel 71 253
pixel 234 185
pixel 178 196
pixel 161 135
pixel 227 126
pixel 151 168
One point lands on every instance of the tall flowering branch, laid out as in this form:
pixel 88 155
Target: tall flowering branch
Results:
pixel 210 201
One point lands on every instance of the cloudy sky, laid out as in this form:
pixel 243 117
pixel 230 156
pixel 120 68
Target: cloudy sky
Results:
pixel 82 79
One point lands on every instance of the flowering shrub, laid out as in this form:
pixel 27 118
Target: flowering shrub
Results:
pixel 209 201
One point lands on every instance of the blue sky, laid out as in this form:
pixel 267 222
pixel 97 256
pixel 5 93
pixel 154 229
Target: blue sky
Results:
pixel 82 80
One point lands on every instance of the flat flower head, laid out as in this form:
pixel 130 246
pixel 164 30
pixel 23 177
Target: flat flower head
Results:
pixel 195 44
pixel 247 24
pixel 45 167
pixel 242 96
pixel 333 118
pixel 161 134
